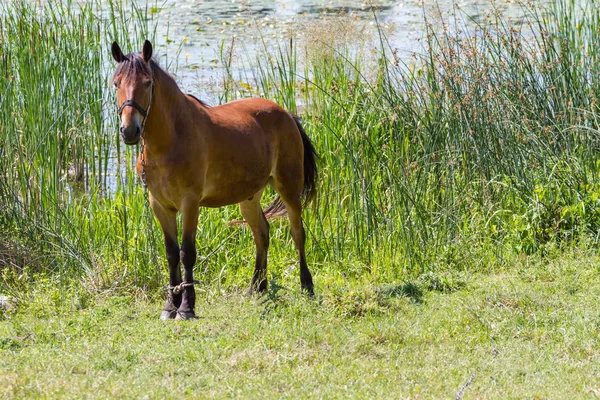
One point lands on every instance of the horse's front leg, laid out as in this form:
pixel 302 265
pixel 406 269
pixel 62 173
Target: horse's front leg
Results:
pixel 168 223
pixel 189 216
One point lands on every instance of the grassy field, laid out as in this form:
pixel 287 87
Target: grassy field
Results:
pixel 453 241
pixel 528 331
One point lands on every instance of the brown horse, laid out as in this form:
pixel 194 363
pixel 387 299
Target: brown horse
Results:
pixel 196 156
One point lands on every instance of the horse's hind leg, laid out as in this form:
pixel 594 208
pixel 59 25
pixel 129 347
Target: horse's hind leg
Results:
pixel 292 198
pixel 255 218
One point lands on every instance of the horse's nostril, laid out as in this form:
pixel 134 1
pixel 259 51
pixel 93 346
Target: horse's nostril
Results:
pixel 137 130
pixel 122 129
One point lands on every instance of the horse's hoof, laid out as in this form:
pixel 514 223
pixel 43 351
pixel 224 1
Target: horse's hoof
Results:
pixel 258 292
pixel 257 289
pixel 185 315
pixel 166 315
pixel 309 291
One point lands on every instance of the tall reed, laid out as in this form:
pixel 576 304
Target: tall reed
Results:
pixel 482 145
pixel 58 147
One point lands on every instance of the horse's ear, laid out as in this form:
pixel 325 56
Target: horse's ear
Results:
pixel 147 51
pixel 117 53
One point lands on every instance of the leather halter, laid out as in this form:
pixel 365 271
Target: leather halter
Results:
pixel 134 105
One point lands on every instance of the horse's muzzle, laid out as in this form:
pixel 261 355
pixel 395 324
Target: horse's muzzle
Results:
pixel 130 134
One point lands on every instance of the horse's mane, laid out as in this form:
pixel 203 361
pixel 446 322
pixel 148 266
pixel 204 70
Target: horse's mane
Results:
pixel 202 103
pixel 134 64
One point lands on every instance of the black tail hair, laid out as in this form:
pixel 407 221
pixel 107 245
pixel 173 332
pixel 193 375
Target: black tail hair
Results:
pixel 310 165
pixel 277 208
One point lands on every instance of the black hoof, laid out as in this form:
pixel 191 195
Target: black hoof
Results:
pixel 262 288
pixel 166 315
pixel 185 315
pixel 308 290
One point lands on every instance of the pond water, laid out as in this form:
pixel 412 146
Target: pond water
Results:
pixel 190 32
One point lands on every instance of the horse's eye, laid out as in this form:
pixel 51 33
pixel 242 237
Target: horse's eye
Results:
pixel 116 84
pixel 147 83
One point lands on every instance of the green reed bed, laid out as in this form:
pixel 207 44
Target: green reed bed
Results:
pixel 486 142
pixel 57 137
pixel 482 146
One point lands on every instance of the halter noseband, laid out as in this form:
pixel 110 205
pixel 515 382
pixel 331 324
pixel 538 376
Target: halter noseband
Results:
pixel 134 104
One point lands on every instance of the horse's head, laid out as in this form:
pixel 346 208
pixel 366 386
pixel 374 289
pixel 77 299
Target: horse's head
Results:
pixel 133 82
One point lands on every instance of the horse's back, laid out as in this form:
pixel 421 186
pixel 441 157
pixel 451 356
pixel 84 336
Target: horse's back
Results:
pixel 260 122
pixel 266 112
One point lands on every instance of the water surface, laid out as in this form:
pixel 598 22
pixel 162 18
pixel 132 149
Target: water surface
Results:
pixel 191 32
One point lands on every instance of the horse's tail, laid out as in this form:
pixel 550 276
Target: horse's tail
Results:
pixel 310 165
pixel 277 208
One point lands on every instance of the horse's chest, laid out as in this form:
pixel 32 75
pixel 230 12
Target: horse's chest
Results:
pixel 169 186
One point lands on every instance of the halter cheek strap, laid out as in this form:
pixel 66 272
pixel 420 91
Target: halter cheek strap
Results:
pixel 132 103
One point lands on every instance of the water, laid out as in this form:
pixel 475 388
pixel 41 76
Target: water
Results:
pixel 190 32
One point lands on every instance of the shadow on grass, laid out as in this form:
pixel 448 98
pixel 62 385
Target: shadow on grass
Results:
pixel 405 289
pixel 348 300
pixel 272 297
pixel 428 282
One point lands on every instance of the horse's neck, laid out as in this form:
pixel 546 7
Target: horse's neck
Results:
pixel 168 105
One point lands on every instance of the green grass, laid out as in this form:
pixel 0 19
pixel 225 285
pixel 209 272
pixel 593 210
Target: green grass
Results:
pixel 528 331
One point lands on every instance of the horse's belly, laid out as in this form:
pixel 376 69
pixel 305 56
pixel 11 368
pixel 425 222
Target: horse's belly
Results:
pixel 224 190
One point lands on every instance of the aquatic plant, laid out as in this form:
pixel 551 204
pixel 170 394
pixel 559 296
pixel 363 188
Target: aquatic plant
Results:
pixel 483 145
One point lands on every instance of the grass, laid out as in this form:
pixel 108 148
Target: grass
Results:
pixel 529 331
pixel 57 144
